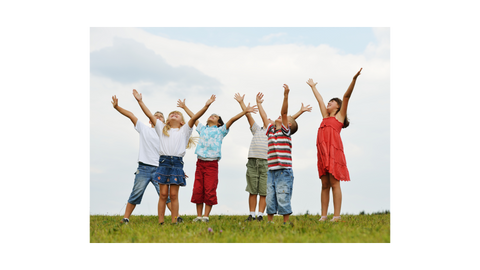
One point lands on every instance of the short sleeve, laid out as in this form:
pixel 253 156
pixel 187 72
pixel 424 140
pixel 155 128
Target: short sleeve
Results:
pixel 200 127
pixel 159 127
pixel 224 130
pixel 255 128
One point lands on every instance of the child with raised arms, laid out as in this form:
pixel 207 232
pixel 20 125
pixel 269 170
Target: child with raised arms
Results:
pixel 257 167
pixel 174 140
pixel 209 153
pixel 331 162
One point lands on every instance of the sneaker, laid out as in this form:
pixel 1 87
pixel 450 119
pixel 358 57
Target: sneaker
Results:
pixel 335 219
pixel 197 219
pixel 125 221
pixel 260 218
pixel 323 219
pixel 179 220
pixel 205 219
pixel 250 218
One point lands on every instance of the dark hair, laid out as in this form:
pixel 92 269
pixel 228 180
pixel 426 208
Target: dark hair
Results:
pixel 346 122
pixel 220 121
pixel 293 126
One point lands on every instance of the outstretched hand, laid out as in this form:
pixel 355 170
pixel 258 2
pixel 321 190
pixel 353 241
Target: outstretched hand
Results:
pixel 181 103
pixel 137 95
pixel 238 98
pixel 251 109
pixel 311 83
pixel 211 100
pixel 307 108
pixel 259 98
pixel 287 90
pixel 358 74
pixel 115 101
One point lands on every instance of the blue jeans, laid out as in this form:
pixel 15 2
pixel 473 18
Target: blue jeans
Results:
pixel 144 175
pixel 279 191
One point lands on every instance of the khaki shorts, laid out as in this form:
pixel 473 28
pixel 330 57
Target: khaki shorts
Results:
pixel 257 176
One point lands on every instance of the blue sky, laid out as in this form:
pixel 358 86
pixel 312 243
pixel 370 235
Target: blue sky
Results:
pixel 193 63
pixel 351 40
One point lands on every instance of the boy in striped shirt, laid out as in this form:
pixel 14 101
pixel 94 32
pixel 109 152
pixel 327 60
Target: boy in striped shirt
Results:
pixel 279 156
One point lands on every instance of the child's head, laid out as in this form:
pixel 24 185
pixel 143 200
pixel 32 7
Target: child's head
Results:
pixel 159 116
pixel 334 105
pixel 175 116
pixel 215 120
pixel 291 123
pixel 175 120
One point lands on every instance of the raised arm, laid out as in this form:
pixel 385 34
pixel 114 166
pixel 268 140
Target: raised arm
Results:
pixel 303 109
pixel 321 103
pixel 199 114
pixel 263 115
pixel 284 110
pixel 121 110
pixel 248 109
pixel 181 104
pixel 239 98
pixel 346 98
pixel 147 112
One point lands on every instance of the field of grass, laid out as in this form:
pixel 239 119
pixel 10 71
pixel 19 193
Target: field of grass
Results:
pixel 370 228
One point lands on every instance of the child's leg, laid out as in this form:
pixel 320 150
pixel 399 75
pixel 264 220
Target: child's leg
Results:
pixel 199 209
pixel 262 204
pixel 174 198
pixel 337 195
pixel 252 202
pixel 286 218
pixel 208 208
pixel 325 195
pixel 162 200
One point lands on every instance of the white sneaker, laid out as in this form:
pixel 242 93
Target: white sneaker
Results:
pixel 335 219
pixel 197 219
pixel 205 219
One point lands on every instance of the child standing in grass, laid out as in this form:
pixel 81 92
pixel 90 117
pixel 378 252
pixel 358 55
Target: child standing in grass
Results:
pixel 174 138
pixel 280 174
pixel 331 162
pixel 257 165
pixel 147 160
pixel 209 153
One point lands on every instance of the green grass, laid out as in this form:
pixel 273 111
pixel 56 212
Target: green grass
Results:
pixel 363 228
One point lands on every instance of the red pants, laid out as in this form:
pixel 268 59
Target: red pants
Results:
pixel 206 181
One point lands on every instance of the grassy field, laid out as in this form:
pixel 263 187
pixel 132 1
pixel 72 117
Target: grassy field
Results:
pixel 370 228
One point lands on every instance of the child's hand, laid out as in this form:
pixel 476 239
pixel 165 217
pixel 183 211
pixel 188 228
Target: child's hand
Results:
pixel 307 108
pixel 287 90
pixel 137 95
pixel 253 109
pixel 238 98
pixel 211 100
pixel 358 74
pixel 115 101
pixel 259 98
pixel 311 83
pixel 181 103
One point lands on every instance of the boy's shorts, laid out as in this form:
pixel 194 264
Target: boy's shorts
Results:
pixel 144 175
pixel 206 181
pixel 257 176
pixel 279 191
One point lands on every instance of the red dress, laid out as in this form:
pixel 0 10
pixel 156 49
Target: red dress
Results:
pixel 330 156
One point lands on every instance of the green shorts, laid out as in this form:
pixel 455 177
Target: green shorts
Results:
pixel 257 176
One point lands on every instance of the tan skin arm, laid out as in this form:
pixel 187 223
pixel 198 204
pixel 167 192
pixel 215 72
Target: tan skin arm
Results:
pixel 284 110
pixel 263 115
pixel 321 103
pixel 121 110
pixel 145 110
pixel 340 116
pixel 194 117
pixel 239 98
pixel 248 109
pixel 303 109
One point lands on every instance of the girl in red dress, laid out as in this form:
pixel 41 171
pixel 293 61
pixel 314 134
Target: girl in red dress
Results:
pixel 331 163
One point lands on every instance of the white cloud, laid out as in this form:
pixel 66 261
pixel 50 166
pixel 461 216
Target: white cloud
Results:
pixel 114 142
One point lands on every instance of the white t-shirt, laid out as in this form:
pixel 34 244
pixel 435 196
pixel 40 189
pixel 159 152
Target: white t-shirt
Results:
pixel 149 144
pixel 175 144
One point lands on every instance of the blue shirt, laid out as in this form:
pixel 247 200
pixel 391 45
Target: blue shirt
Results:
pixel 210 143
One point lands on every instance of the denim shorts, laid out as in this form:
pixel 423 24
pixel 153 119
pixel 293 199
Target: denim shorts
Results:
pixel 170 171
pixel 279 191
pixel 143 176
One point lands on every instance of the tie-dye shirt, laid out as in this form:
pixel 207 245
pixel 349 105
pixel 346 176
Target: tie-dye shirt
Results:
pixel 210 142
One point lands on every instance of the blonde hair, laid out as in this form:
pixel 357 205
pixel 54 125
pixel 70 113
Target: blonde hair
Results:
pixel 192 141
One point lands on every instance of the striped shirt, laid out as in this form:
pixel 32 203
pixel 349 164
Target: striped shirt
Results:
pixel 279 148
pixel 258 146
